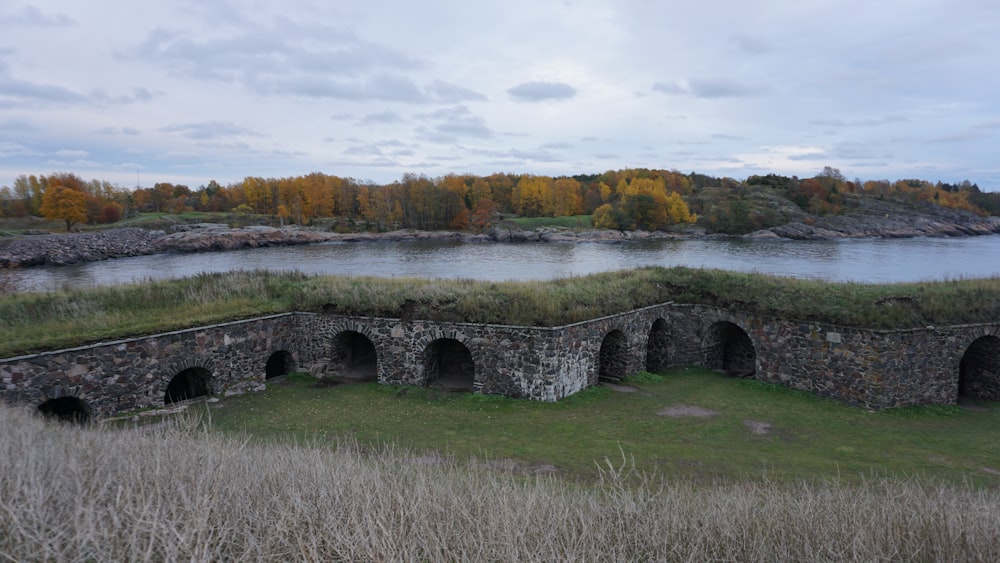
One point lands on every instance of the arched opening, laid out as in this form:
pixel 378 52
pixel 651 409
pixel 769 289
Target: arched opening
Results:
pixel 728 348
pixel 188 384
pixel 979 370
pixel 448 364
pixel 65 409
pixel 613 358
pixel 657 355
pixel 353 357
pixel 280 363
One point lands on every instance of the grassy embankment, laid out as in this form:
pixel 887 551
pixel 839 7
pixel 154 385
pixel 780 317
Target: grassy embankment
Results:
pixel 39 321
pixel 579 222
pixel 182 492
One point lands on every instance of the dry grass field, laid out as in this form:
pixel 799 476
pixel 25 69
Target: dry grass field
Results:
pixel 182 491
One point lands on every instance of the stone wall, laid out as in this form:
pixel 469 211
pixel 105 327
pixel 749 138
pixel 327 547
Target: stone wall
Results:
pixel 874 369
pixel 126 375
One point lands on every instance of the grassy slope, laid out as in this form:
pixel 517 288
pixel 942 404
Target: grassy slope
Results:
pixel 572 222
pixel 809 438
pixel 37 321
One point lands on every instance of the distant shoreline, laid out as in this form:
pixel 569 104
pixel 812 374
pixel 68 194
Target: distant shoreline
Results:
pixel 883 221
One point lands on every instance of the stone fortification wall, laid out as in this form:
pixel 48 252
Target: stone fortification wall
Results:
pixel 874 369
pixel 508 360
pixel 126 375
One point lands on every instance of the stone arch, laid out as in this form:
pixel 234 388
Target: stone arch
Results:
pixel 66 409
pixel 353 356
pixel 448 363
pixel 189 383
pixel 657 353
pixel 728 347
pixel 613 357
pixel 979 370
pixel 279 363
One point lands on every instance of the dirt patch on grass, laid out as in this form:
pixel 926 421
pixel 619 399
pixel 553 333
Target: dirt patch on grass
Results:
pixel 682 411
pixel 621 388
pixel 758 427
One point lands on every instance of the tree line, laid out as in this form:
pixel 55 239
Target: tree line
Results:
pixel 627 199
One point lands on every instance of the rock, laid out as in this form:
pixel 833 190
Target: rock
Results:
pixel 72 248
pixel 883 219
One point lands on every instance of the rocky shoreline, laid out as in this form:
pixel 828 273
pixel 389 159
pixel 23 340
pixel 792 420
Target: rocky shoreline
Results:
pixel 879 220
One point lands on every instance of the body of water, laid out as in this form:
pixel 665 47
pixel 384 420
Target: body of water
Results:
pixel 869 260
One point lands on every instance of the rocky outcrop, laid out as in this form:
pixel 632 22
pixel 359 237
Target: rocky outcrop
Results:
pixel 72 248
pixel 210 237
pixel 504 233
pixel 881 219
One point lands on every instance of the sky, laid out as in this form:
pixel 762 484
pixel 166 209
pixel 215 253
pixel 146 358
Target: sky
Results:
pixel 186 92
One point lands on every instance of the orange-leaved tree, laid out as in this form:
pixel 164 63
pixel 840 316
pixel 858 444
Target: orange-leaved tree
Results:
pixel 61 203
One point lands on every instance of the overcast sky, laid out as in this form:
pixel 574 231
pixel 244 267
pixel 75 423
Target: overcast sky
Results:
pixel 189 91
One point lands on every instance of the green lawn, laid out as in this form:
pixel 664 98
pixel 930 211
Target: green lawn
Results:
pixel 571 222
pixel 798 436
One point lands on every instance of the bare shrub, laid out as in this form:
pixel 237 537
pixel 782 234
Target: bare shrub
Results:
pixel 182 492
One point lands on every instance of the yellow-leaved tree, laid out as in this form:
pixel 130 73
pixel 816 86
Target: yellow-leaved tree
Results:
pixel 61 203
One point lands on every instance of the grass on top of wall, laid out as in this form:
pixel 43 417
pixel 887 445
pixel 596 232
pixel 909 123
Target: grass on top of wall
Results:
pixel 38 321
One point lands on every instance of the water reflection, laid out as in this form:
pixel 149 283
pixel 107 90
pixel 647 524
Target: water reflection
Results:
pixel 855 260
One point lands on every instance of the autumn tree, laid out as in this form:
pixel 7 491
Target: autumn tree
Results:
pixel 566 198
pixel 62 203
pixel 483 215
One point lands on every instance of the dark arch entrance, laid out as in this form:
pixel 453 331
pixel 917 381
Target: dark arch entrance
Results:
pixel 448 364
pixel 280 363
pixel 353 357
pixel 728 348
pixel 656 347
pixel 613 358
pixel 979 370
pixel 65 409
pixel 188 384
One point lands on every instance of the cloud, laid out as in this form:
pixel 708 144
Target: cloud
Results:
pixel 751 44
pixel 848 150
pixel 385 117
pixel 961 136
pixel 540 91
pixel 448 93
pixel 130 131
pixel 870 122
pixel 21 91
pixel 288 57
pixel 452 123
pixel 70 153
pixel 16 92
pixel 381 148
pixel 32 16
pixel 557 146
pixel 382 87
pixel 208 130
pixel 517 155
pixel 10 149
pixel 709 88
